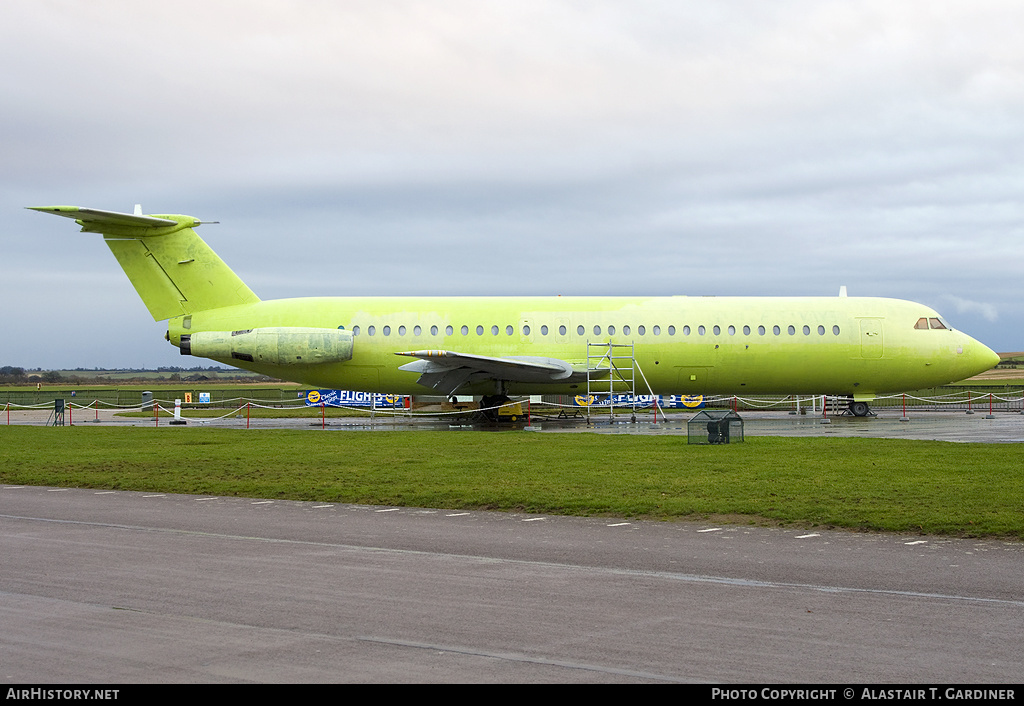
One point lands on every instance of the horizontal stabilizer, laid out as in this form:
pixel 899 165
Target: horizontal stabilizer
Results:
pixel 91 217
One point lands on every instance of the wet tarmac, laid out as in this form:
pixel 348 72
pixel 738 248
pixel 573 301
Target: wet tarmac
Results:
pixel 956 426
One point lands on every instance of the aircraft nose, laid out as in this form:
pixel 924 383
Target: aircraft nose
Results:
pixel 977 357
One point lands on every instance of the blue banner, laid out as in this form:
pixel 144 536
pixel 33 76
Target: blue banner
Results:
pixel 664 401
pixel 348 398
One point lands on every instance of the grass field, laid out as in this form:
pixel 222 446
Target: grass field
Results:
pixel 868 484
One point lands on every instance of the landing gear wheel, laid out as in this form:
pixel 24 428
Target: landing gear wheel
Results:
pixel 859 409
pixel 489 406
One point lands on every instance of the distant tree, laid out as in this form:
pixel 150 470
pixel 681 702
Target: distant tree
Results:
pixel 10 374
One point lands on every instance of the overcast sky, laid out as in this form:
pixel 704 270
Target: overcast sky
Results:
pixel 475 147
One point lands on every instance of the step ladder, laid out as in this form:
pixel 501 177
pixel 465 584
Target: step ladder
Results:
pixel 618 361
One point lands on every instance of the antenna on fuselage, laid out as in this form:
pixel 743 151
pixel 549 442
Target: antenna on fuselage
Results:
pixel 842 290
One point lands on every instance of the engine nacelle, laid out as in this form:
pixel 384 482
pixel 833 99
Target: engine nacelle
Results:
pixel 272 346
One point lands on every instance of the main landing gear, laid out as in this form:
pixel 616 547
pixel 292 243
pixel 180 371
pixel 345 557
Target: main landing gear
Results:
pixel 858 409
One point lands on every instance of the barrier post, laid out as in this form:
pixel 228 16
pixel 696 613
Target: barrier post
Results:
pixel 990 415
pixel 96 404
pixel 904 418
pixel 969 410
pixel 248 407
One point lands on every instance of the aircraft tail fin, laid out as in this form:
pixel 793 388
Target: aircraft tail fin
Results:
pixel 170 266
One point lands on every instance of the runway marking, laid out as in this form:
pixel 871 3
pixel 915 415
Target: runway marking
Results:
pixel 154 496
pixel 56 490
pixel 390 509
pixel 668 575
pixel 13 487
pixel 317 507
pixel 518 657
pixel 204 499
pixel 105 492
pixel 807 536
pixel 713 529
pixel 457 514
pixel 920 541
pixel 619 524
pixel 533 519
pixel 264 502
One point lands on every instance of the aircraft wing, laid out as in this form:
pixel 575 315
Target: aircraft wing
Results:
pixel 447 371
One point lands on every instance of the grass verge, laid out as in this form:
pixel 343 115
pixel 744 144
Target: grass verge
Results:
pixel 869 484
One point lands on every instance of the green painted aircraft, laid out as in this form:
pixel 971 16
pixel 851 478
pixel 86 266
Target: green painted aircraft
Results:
pixel 854 347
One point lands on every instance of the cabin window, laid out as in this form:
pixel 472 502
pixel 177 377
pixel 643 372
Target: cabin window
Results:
pixel 776 330
pixel 611 330
pixel 464 330
pixel 433 330
pixel 686 330
pixel 761 331
pixel 561 330
pixel 791 330
pixel 526 330
pixel 597 330
pixel 448 330
pixel 401 330
pixel 807 330
pixel 641 330
pixel 479 330
pixel 355 330
pixel 371 330
pixel 835 330
pixel 821 330
pixel 732 330
pixel 386 330
pixel 580 330
pixel 416 330
pixel 671 330
pixel 494 330
pixel 701 330
pixel 625 330
pixel 544 330
pixel 746 330
pixel 656 330
pixel 936 324
pixel 716 329
pixel 509 330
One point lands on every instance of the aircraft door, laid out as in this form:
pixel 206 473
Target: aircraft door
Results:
pixel 870 338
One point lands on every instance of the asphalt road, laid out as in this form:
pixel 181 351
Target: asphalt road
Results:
pixel 118 587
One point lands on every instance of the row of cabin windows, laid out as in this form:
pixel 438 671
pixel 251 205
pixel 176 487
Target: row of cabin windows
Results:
pixel 582 331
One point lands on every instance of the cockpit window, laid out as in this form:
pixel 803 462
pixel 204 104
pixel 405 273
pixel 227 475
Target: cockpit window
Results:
pixel 936 323
pixel 922 323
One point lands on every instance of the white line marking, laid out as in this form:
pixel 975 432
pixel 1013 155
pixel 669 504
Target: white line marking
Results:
pixel 619 524
pixel 317 507
pixel 105 492
pixel 533 519
pixel 264 502
pixel 920 541
pixel 390 509
pixel 713 529
pixel 457 514
pixel 57 490
pixel 154 496
pixel 806 536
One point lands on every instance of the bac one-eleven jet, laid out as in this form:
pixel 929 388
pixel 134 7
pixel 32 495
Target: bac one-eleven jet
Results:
pixel 854 347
